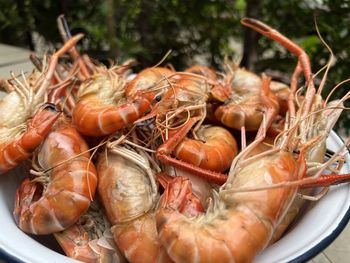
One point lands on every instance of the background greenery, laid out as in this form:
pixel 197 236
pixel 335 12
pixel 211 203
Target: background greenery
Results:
pixel 194 29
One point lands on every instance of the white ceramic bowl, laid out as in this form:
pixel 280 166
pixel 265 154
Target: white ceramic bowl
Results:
pixel 318 227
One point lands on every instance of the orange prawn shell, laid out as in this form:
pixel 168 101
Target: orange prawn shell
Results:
pixel 127 236
pixel 187 89
pixel 146 79
pixel 129 206
pixel 13 151
pixel 82 252
pixel 282 93
pixel 244 226
pixel 71 186
pixel 90 240
pixel 94 119
pixel 246 105
pixel 214 153
pixel 247 112
pixel 116 177
pixel 204 71
pixel 103 108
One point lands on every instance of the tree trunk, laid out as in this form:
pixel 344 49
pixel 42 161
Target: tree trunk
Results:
pixel 111 28
pixel 250 41
pixel 22 11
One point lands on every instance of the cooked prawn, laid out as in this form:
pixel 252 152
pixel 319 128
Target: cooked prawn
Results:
pixel 129 194
pixel 63 191
pixel 248 208
pixel 102 107
pixel 90 239
pixel 248 102
pixel 147 79
pixel 228 146
pixel 19 135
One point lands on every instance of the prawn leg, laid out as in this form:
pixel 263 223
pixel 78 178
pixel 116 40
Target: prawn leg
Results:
pixel 90 239
pixel 284 41
pixel 303 58
pixel 325 180
pixel 65 34
pixel 178 192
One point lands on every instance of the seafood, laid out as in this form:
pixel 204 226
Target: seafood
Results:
pixel 24 143
pixel 247 103
pixel 217 88
pixel 206 159
pixel 228 145
pixel 128 192
pixel 320 123
pixel 249 207
pixel 281 92
pixel 193 206
pixel 242 223
pixel 102 107
pixel 207 72
pixel 19 136
pixel 66 35
pixel 64 188
pixel 90 239
pixel 240 226
pixel 199 214
pixel 201 188
pixel 182 90
pixel 214 150
pixel 148 78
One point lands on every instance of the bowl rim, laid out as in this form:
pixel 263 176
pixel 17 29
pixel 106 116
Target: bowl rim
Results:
pixel 8 257
pixel 307 255
pixel 324 243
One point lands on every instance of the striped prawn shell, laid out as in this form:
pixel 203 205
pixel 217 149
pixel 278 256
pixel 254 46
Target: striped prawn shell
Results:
pixel 241 224
pixel 90 239
pixel 69 188
pixel 129 200
pixel 17 149
pixel 214 152
pixel 102 107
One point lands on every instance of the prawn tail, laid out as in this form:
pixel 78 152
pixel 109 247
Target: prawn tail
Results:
pixel 76 244
pixel 25 194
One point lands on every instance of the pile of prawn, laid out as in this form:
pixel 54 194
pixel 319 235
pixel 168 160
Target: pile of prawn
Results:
pixel 163 165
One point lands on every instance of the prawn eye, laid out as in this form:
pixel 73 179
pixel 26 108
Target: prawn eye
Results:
pixel 158 98
pixel 296 151
pixel 50 107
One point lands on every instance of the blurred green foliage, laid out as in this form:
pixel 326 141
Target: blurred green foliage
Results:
pixel 298 20
pixel 146 30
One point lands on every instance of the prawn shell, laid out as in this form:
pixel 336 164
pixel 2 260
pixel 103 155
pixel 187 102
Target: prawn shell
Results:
pixel 126 194
pixel 71 184
pixel 139 241
pixel 147 79
pixel 242 223
pixel 246 111
pixel 123 188
pixel 214 153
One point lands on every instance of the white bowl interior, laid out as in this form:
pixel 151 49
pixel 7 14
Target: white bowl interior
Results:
pixel 318 222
